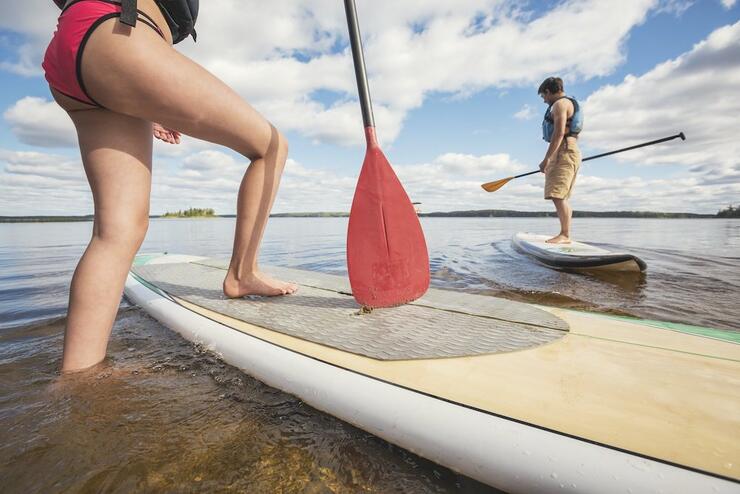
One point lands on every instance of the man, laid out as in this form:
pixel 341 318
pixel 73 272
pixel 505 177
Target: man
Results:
pixel 562 123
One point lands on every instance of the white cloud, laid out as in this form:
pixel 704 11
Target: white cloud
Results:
pixel 695 93
pixel 414 49
pixel 35 19
pixel 212 161
pixel 40 122
pixel 211 178
pixel 676 7
pixel 39 183
pixel 33 183
pixel 728 4
pixel 526 113
pixel 43 166
pixel 310 189
pixel 452 181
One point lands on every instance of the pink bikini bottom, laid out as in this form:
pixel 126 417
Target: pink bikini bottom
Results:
pixel 63 60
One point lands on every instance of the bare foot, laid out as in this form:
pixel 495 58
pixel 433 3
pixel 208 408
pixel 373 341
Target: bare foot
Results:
pixel 256 284
pixel 559 239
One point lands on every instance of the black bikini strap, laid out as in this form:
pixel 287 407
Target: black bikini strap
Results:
pixel 148 21
pixel 128 12
pixel 69 5
pixel 144 19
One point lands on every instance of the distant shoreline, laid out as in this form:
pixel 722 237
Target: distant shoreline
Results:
pixel 484 213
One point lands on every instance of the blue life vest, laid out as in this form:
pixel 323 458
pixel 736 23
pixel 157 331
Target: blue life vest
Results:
pixel 574 124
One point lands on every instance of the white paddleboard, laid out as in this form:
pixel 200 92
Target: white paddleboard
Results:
pixel 522 397
pixel 575 255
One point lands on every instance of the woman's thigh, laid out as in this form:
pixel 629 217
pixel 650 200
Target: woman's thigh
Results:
pixel 135 72
pixel 116 152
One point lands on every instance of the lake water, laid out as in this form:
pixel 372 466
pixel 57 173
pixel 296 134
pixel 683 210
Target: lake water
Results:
pixel 163 415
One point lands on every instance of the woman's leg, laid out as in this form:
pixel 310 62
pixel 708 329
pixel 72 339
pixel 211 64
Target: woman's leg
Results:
pixel 116 152
pixel 134 72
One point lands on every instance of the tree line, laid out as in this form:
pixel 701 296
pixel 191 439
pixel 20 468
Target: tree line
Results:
pixel 190 213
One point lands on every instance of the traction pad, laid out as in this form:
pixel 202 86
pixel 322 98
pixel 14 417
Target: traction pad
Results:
pixel 442 324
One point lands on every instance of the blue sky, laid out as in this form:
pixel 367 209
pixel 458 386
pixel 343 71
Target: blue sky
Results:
pixel 447 121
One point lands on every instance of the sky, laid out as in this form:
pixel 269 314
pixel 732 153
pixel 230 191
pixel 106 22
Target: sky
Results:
pixel 454 89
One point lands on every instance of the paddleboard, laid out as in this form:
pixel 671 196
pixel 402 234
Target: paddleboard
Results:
pixel 521 397
pixel 575 255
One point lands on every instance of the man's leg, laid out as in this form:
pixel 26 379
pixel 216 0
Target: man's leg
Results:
pixel 564 215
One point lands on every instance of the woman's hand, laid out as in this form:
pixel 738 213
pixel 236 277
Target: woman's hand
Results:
pixel 166 135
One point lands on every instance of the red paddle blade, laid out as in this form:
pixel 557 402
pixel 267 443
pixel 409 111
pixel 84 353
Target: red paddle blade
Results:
pixel 387 256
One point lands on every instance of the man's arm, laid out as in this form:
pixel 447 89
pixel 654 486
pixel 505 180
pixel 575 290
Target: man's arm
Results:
pixel 559 114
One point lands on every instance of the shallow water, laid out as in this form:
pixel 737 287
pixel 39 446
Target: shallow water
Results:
pixel 162 415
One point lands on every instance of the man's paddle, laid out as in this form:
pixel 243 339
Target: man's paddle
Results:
pixel 387 256
pixel 494 186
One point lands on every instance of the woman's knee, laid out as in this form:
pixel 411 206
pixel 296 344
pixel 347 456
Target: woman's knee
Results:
pixel 275 148
pixel 282 151
pixel 125 232
pixel 282 143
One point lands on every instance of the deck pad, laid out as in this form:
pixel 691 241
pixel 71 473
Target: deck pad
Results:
pixel 468 303
pixel 443 324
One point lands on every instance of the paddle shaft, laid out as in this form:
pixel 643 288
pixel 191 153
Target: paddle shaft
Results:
pixel 657 141
pixel 359 62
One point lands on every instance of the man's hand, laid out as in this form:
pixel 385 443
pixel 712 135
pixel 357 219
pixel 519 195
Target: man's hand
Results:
pixel 166 135
pixel 544 164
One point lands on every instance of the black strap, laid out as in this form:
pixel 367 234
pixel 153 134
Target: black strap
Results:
pixel 128 12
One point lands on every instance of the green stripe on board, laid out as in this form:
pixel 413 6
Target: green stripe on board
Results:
pixel 719 334
pixel 144 282
pixel 142 259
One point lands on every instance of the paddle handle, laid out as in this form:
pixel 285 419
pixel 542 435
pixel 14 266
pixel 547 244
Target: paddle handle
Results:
pixel 359 61
pixel 657 141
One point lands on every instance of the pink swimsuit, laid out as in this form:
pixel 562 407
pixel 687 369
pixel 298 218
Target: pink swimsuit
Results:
pixel 63 60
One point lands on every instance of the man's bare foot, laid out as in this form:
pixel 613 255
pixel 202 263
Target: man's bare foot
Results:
pixel 559 239
pixel 256 284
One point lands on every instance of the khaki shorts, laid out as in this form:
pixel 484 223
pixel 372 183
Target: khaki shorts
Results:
pixel 560 176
